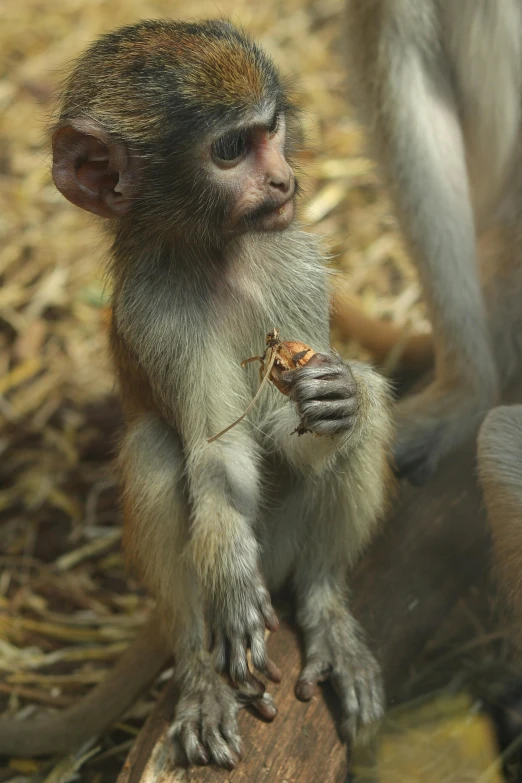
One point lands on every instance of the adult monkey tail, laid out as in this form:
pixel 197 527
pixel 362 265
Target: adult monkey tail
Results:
pixel 386 342
pixel 93 714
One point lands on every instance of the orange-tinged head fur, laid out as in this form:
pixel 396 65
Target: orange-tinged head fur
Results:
pixel 162 92
pixel 141 80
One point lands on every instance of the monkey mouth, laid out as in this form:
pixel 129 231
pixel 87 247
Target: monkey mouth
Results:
pixel 272 216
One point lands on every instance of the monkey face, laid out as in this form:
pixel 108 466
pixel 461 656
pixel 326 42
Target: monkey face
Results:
pixel 251 169
pixel 179 128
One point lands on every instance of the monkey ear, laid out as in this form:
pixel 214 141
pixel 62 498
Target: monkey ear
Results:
pixel 91 171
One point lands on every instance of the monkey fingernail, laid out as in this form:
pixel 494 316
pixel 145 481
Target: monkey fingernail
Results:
pixel 199 757
pixel 268 711
pixel 304 690
pixel 265 707
pixel 272 671
pixel 271 621
pixel 232 762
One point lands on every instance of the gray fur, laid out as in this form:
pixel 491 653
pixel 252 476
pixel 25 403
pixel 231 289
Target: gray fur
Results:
pixel 274 505
pixel 438 85
pixel 214 528
pixel 500 472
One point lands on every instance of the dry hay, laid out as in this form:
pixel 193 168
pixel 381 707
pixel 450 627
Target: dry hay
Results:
pixel 67 608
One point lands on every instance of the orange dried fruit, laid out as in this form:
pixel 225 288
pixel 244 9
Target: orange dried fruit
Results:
pixel 278 357
pixel 290 355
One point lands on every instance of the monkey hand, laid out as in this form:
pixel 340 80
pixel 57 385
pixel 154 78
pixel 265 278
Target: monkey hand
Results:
pixel 325 392
pixel 238 623
pixel 205 721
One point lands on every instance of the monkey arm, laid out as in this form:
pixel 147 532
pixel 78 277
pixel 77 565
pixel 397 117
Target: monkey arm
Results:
pixel 224 492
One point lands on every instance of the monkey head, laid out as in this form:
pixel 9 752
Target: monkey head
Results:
pixel 182 127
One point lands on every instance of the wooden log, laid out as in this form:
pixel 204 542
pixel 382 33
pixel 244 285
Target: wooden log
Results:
pixel 433 549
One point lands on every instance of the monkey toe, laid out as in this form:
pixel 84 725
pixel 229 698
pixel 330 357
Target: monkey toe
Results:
pixel 315 671
pixel 264 706
pixel 224 754
pixel 355 677
pixel 186 743
pixel 416 458
pixel 415 468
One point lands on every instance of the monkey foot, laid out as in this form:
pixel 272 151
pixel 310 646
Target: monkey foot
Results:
pixel 338 655
pixel 416 459
pixel 429 426
pixel 205 724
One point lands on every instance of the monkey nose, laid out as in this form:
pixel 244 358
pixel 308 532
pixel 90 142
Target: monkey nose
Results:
pixel 281 181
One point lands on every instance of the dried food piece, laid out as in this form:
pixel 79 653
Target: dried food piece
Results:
pixel 279 356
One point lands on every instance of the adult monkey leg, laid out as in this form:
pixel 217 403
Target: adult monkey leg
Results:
pixel 500 471
pixel 445 160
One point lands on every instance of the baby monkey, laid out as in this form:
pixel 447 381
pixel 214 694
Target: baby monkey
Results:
pixel 180 135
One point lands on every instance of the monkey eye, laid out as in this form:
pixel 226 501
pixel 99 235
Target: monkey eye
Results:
pixel 274 125
pixel 231 147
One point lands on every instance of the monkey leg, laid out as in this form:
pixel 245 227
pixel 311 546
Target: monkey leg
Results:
pixel 431 424
pixel 335 649
pixel 313 535
pixel 500 470
pixel 424 158
pixel 453 411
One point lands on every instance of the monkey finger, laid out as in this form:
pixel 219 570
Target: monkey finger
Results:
pixel 218 748
pixel 265 706
pixel 238 666
pixel 305 689
pixel 293 378
pixel 220 651
pixel 313 373
pixel 329 426
pixel 327 409
pixel 270 617
pixel 230 733
pixel 320 388
pixel 417 465
pixel 371 702
pixel 344 686
pixel 189 737
pixel 272 671
pixel 179 757
pixel 260 658
pixel 325 359
pixel 239 671
pixel 362 702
